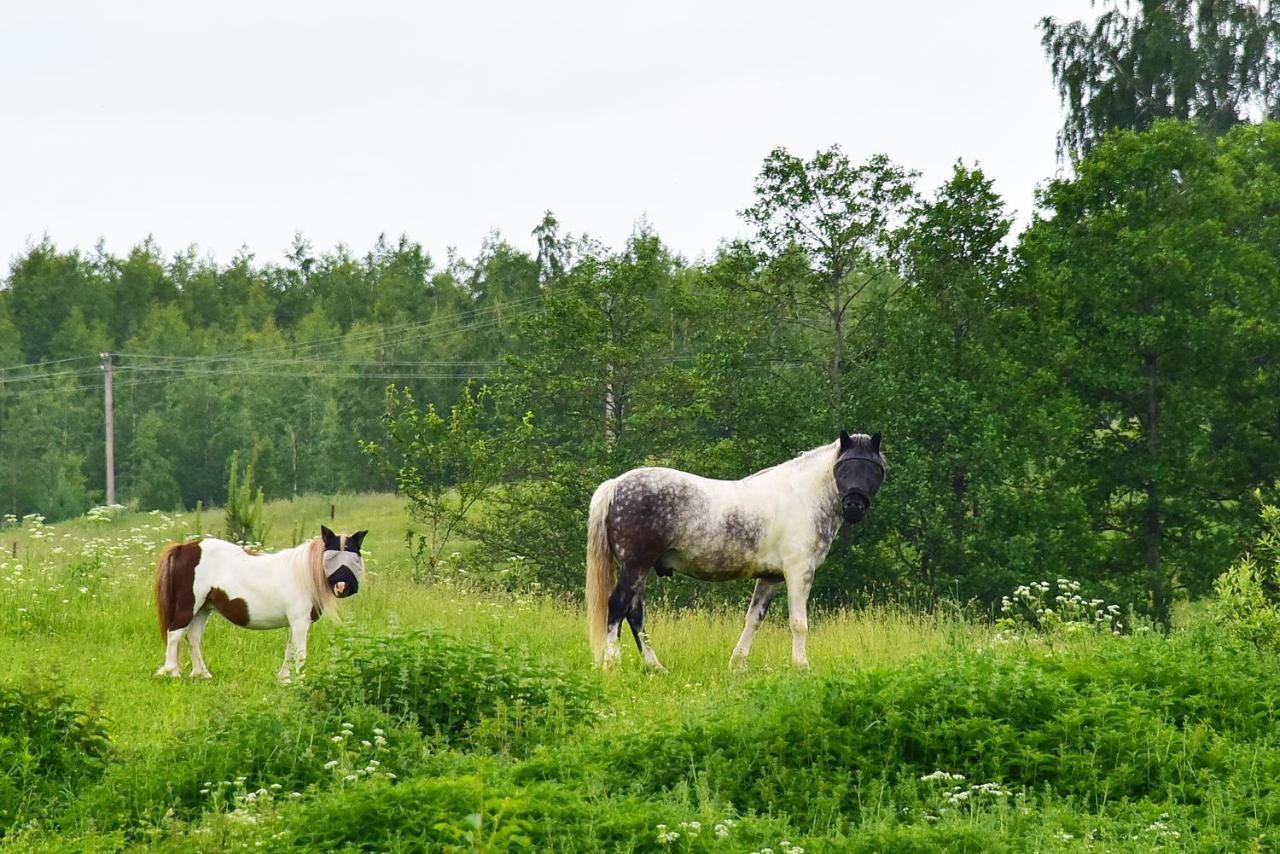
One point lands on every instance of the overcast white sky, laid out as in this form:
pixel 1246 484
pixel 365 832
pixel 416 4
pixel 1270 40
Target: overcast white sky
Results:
pixel 240 123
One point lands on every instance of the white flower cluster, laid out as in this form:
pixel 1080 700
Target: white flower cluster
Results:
pixel 1032 607
pixel 105 512
pixel 667 836
pixel 1161 830
pixel 785 847
pixel 962 795
pixel 358 759
pixel 240 803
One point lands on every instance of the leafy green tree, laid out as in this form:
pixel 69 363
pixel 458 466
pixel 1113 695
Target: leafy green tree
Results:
pixel 1214 61
pixel 828 228
pixel 1149 282
pixel 44 287
pixel 151 477
pixel 968 430
pixel 445 467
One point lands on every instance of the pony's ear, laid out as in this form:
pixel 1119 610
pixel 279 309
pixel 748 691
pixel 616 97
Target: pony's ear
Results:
pixel 845 442
pixel 331 541
pixel 875 442
pixel 354 541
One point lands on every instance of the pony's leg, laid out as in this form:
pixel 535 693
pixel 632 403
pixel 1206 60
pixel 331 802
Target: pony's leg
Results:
pixel 635 619
pixel 172 639
pixel 284 674
pixel 629 580
pixel 298 633
pixel 760 601
pixel 195 631
pixel 798 584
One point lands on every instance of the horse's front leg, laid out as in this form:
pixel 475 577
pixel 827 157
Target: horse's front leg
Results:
pixel 298 641
pixel 760 601
pixel 285 675
pixel 798 585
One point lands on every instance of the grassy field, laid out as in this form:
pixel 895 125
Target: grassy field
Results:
pixel 502 736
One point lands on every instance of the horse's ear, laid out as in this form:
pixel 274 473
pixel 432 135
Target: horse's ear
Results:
pixel 875 442
pixel 354 541
pixel 845 442
pixel 331 541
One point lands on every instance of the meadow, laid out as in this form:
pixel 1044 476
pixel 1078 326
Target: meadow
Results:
pixel 448 717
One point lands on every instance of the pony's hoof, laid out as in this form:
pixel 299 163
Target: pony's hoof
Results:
pixel 203 674
pixel 164 671
pixel 284 680
pixel 801 664
pixel 738 664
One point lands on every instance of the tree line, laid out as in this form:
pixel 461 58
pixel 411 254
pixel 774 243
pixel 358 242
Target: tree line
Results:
pixel 1094 397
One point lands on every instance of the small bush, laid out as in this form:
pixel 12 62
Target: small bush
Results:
pixel 1248 604
pixel 50 746
pixel 460 691
pixel 282 746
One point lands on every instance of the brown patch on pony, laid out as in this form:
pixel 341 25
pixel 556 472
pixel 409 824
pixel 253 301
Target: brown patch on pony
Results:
pixel 235 610
pixel 175 579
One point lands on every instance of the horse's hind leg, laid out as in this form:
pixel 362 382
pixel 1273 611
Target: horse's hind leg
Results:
pixel 195 631
pixel 635 619
pixel 630 581
pixel 760 600
pixel 173 639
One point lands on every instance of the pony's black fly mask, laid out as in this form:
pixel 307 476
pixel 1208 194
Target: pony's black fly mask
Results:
pixel 345 568
pixel 859 471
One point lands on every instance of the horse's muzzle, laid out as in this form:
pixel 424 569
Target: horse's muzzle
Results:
pixel 854 507
pixel 350 584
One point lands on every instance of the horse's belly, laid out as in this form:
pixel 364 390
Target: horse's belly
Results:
pixel 718 567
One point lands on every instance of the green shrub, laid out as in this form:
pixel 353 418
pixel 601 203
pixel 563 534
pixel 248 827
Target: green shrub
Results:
pixel 1138 719
pixel 463 692
pixel 282 746
pixel 1248 603
pixel 50 746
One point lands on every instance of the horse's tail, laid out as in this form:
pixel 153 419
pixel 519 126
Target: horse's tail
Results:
pixel 601 576
pixel 166 593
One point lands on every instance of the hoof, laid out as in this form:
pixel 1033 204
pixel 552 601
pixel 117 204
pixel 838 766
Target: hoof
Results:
pixel 203 674
pixel 738 664
pixel 164 671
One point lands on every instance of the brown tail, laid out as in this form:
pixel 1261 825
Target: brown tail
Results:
pixel 601 576
pixel 166 595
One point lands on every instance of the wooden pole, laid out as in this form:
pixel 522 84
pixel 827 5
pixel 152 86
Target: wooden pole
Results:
pixel 108 407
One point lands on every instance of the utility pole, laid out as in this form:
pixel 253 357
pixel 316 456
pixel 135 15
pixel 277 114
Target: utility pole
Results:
pixel 108 409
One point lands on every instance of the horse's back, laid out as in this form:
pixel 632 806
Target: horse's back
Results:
pixel 700 526
pixel 253 590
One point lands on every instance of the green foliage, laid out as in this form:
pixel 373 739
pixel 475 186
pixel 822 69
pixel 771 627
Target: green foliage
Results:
pixel 1215 61
pixel 50 746
pixel 463 692
pixel 281 745
pixel 444 468
pixel 1158 241
pixel 242 518
pixel 1248 603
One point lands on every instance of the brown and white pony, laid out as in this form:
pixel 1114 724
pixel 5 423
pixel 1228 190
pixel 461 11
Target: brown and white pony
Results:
pixel 257 591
